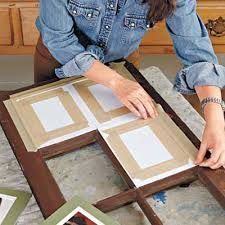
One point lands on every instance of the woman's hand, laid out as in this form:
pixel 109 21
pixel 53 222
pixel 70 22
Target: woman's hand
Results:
pixel 213 139
pixel 134 97
pixel 130 93
pixel 214 136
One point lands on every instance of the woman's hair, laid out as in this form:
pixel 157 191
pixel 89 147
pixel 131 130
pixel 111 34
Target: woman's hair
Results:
pixel 160 9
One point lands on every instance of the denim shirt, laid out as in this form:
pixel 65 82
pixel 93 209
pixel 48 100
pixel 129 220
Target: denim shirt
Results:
pixel 77 32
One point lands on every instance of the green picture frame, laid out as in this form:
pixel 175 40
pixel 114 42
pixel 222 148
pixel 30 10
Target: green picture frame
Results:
pixel 21 200
pixel 64 213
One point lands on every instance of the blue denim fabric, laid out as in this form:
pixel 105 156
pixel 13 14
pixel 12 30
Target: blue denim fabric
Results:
pixel 114 29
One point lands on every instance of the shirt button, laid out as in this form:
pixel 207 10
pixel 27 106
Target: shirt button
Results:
pixel 132 24
pixel 89 14
pixel 107 27
pixel 74 11
pixel 148 25
pixel 111 6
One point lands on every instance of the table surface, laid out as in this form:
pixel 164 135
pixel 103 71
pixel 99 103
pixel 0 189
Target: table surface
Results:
pixel 90 174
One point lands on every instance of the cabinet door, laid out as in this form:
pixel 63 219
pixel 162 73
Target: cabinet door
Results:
pixel 5 30
pixel 29 30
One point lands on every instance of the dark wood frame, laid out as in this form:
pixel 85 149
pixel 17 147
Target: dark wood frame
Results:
pixel 47 192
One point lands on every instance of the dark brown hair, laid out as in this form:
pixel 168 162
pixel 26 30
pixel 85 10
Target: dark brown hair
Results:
pixel 160 9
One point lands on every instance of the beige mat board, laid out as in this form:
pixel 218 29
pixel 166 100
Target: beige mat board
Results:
pixel 169 135
pixel 28 123
pixel 46 87
pixel 90 100
pixel 34 135
pixel 33 125
pixel 20 128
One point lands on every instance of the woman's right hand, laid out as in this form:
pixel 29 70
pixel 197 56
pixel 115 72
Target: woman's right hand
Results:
pixel 134 97
pixel 129 92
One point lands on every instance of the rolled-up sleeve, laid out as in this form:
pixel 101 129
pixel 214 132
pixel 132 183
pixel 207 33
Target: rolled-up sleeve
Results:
pixel 194 49
pixel 57 30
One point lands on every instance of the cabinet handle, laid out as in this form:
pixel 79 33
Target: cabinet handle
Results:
pixel 216 27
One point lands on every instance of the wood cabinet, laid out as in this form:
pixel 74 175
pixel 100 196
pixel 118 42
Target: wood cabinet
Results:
pixel 29 30
pixel 6 28
pixel 18 34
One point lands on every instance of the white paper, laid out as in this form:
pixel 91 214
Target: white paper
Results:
pixel 139 183
pixel 6 204
pixel 67 136
pixel 83 212
pixel 117 121
pixel 105 97
pixel 52 114
pixel 145 147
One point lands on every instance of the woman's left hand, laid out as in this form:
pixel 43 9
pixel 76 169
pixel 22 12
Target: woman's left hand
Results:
pixel 213 139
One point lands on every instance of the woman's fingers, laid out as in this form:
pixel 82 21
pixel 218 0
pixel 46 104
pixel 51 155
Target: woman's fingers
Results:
pixel 220 162
pixel 132 108
pixel 136 99
pixel 201 153
pixel 149 107
pixel 154 108
pixel 213 159
pixel 140 107
pixel 148 104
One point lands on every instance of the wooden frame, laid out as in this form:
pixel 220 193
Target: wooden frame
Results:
pixel 47 192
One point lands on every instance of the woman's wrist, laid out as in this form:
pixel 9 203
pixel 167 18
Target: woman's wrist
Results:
pixel 114 81
pixel 102 74
pixel 214 115
pixel 213 112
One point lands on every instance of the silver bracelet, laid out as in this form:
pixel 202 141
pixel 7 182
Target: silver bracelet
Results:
pixel 207 100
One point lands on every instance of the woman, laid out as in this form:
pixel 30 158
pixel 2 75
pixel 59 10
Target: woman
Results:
pixel 79 36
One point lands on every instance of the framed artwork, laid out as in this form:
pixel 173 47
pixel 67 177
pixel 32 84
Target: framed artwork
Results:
pixel 118 137
pixel 78 212
pixel 12 204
